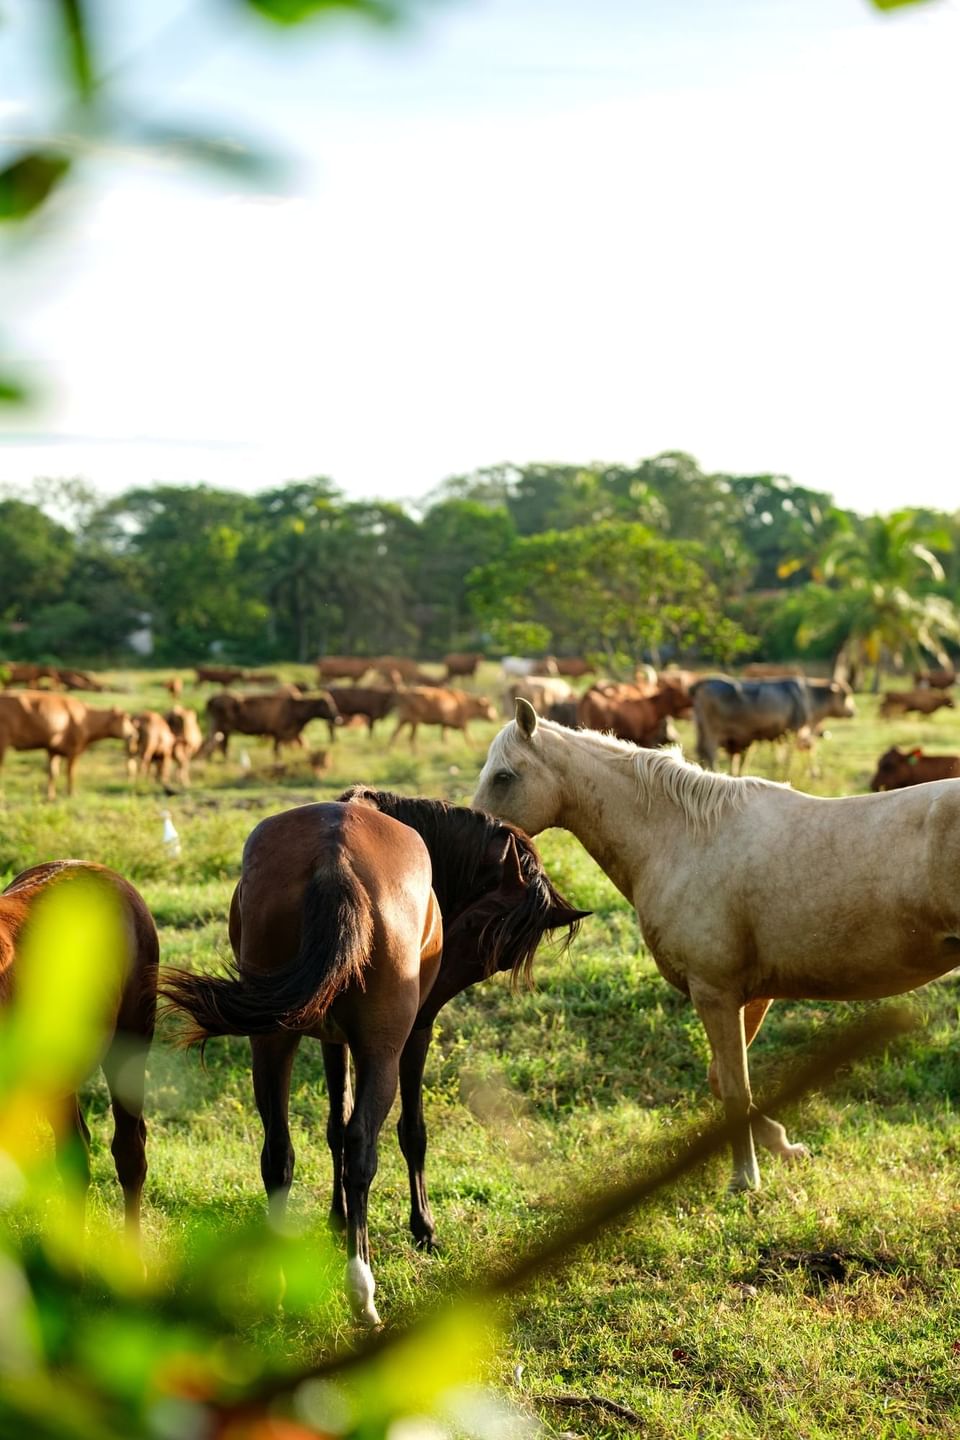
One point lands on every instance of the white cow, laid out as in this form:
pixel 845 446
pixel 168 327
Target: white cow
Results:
pixel 519 666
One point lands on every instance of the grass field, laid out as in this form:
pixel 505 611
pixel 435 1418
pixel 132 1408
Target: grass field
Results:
pixel 708 1315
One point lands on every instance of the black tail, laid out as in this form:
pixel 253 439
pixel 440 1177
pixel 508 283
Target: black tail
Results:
pixel 335 942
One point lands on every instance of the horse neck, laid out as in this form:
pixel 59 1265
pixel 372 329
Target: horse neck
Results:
pixel 603 809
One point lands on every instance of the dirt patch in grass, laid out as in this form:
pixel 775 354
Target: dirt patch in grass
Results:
pixel 820 1268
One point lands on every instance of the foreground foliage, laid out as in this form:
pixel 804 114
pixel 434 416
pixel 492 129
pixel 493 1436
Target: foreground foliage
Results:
pixel 829 1303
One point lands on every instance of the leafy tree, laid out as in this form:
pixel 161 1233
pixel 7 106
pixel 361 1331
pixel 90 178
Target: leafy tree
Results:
pixel 291 547
pixel 36 555
pixel 615 589
pixel 190 543
pixel 881 598
pixel 455 537
pixel 784 527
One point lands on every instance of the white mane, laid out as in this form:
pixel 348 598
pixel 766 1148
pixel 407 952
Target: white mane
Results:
pixel 703 795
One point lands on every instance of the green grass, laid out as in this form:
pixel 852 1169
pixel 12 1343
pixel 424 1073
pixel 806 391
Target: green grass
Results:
pixel 534 1098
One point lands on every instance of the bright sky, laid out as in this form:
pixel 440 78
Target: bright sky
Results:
pixel 564 230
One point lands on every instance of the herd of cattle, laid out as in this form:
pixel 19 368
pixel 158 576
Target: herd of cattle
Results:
pixel 768 703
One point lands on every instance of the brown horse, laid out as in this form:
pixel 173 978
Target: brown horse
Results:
pixel 130 1024
pixel 354 921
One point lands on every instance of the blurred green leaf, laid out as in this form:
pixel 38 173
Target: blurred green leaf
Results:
pixel 894 4
pixel 70 964
pixel 27 182
pixel 74 30
pixel 12 391
pixel 240 159
pixel 292 12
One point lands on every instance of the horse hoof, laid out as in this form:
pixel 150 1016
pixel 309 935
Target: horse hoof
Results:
pixel 792 1154
pixel 428 1244
pixel 741 1184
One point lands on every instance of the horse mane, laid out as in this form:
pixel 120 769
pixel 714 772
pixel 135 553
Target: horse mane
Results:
pixel 459 841
pixel 703 796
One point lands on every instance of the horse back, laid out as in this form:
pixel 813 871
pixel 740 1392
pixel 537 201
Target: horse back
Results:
pixel 377 865
pixel 136 994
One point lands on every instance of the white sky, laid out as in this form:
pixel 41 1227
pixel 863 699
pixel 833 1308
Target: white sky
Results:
pixel 525 230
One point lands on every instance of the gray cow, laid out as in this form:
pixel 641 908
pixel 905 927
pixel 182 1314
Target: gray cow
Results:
pixel 732 714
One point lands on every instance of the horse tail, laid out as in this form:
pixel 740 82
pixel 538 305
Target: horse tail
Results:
pixel 335 942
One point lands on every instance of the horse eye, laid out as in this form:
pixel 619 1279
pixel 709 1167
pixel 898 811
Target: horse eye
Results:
pixel 503 777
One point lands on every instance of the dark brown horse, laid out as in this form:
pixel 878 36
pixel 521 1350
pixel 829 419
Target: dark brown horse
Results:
pixel 129 1024
pixel 354 922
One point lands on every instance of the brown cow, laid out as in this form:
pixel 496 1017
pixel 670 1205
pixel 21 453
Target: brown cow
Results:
pixel 925 700
pixel 59 724
pixel 281 716
pixel 187 738
pixel 434 705
pixel 25 672
pixel 940 679
pixel 573 666
pixel 152 744
pixel 400 670
pixel 899 768
pixel 370 702
pixel 80 680
pixel 219 674
pixel 680 680
pixel 341 667
pixel 175 686
pixel 462 663
pixel 640 718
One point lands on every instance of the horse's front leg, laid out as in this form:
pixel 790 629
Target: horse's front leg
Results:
pixel 722 1018
pixel 766 1132
pixel 336 1066
pixel 412 1133
pixel 272 1065
pixel 377 1076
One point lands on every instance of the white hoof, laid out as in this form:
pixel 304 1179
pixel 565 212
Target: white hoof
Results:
pixel 360 1286
pixel 743 1180
pixel 790 1154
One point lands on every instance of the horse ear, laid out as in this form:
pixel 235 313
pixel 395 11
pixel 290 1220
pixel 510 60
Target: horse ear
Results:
pixel 504 858
pixel 564 914
pixel 526 718
pixel 512 880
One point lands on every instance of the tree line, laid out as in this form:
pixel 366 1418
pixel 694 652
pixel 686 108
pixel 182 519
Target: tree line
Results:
pixel 659 559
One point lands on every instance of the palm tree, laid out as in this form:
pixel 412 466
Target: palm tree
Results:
pixel 880 599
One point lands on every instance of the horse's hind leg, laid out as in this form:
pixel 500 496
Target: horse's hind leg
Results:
pixel 72 1141
pixel 272 1065
pixel 336 1065
pixel 412 1133
pixel 722 1019
pixel 377 1076
pixel 124 1067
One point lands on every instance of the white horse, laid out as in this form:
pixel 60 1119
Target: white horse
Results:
pixel 746 891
